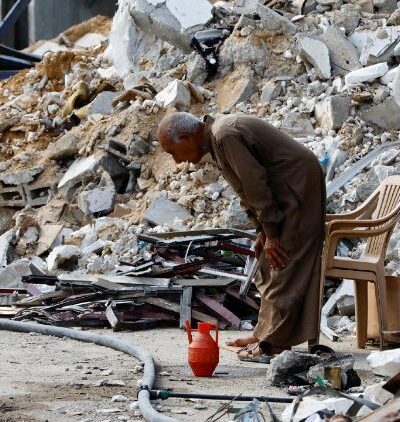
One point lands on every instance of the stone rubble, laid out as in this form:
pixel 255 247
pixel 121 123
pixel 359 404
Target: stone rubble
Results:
pixel 72 157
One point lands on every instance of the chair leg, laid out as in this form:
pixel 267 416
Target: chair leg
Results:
pixel 321 297
pixel 361 292
pixel 381 302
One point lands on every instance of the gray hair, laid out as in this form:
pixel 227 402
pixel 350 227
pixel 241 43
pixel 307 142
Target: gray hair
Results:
pixel 175 124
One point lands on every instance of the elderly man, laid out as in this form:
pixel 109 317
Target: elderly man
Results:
pixel 282 189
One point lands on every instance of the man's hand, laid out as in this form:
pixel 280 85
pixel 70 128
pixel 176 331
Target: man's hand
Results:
pixel 259 244
pixel 275 255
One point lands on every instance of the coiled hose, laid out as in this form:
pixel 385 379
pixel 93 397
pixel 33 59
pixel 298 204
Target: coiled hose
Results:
pixel 146 409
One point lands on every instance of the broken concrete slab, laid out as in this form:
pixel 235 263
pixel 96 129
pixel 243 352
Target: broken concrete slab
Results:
pixel 333 111
pixel 60 254
pixel 171 20
pixel 343 55
pixel 5 242
pixel 270 91
pixel 65 147
pixel 297 125
pixel 176 94
pixel 366 74
pixel 11 276
pixel 317 54
pixel 385 363
pixel 19 177
pixel 80 168
pixel 162 212
pixel 384 115
pixel 245 7
pixel 102 104
pixel 273 21
pixel 375 46
pixel 47 237
pixel 99 198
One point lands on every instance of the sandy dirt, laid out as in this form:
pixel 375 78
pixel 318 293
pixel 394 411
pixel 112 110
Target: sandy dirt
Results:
pixel 51 379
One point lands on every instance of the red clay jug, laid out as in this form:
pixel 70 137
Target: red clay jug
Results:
pixel 203 353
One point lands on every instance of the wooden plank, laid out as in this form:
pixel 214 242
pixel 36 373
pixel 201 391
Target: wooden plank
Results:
pixel 205 282
pixel 174 307
pixel 223 313
pixel 185 312
pixel 390 412
pixel 8 311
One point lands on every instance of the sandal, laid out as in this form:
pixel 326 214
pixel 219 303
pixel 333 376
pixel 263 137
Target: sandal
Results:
pixel 254 353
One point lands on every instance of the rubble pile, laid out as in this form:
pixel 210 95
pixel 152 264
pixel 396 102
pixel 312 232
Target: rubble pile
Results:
pixel 83 177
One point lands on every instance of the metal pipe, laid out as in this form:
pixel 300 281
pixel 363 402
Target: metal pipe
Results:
pixel 145 407
pixel 165 394
pixel 12 16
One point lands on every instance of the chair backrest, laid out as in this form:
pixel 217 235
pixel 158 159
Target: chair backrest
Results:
pixel 389 199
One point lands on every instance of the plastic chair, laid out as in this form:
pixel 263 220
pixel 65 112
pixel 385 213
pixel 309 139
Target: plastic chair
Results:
pixel 374 220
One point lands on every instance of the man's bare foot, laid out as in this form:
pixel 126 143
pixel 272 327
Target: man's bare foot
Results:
pixel 242 342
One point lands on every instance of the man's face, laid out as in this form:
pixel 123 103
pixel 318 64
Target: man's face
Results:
pixel 191 148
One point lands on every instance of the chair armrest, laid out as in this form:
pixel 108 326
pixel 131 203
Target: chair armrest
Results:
pixel 363 209
pixel 359 224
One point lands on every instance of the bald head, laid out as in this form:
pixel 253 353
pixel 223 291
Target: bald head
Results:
pixel 175 124
pixel 182 135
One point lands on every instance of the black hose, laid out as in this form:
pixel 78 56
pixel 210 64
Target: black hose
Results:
pixel 145 407
pixel 164 394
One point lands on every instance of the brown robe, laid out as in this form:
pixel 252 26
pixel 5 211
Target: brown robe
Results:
pixel 282 188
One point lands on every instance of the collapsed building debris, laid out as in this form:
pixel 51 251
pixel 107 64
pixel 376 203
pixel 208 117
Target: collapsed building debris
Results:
pixel 88 199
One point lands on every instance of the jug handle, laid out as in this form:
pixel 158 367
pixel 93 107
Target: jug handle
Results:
pixel 188 331
pixel 215 326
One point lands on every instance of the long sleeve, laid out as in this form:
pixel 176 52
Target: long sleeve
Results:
pixel 254 180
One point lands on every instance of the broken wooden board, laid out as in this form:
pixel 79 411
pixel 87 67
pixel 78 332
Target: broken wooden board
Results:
pixel 174 307
pixel 8 311
pixel 48 234
pixel 223 313
pixel 390 412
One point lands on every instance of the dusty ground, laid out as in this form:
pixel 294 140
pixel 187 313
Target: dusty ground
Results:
pixel 51 379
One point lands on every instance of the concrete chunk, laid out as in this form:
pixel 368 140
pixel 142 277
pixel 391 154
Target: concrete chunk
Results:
pixel 343 55
pixel 176 94
pixel 11 276
pixel 366 74
pixel 65 147
pixel 102 104
pixel 100 198
pixel 385 114
pixel 273 21
pixel 386 363
pixel 375 46
pixel 5 240
pixel 165 212
pixel 333 111
pixel 317 53
pixel 77 171
pixel 171 20
pixel 60 254
pixel 271 90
